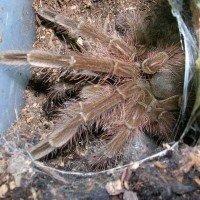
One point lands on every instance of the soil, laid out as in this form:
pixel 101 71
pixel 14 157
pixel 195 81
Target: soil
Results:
pixel 175 175
pixel 166 177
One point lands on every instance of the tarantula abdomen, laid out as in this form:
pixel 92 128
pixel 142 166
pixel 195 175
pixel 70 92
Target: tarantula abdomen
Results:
pixel 172 86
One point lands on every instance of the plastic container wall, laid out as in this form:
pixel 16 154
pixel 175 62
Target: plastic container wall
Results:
pixel 17 32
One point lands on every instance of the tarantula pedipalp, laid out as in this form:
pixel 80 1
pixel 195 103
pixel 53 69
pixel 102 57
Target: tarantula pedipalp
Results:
pixel 123 109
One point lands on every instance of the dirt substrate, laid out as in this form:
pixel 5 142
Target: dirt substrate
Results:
pixel 176 175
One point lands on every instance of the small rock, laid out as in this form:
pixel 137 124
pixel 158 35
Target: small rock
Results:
pixel 167 193
pixel 181 189
pixel 130 195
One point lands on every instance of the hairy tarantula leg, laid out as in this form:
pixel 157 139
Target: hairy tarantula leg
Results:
pixel 115 45
pixel 58 138
pixel 58 94
pixel 161 124
pixel 129 128
pixel 170 104
pixel 48 60
pixel 87 113
pixel 60 91
pixel 153 64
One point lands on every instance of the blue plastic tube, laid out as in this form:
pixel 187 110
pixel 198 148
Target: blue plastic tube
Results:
pixel 17 32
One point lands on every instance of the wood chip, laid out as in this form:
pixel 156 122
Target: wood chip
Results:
pixel 12 185
pixel 51 173
pixel 18 180
pixel 62 163
pixel 3 165
pixel 197 180
pixel 34 194
pixel 160 165
pixel 3 190
pixel 30 119
pixel 125 178
pixel 114 187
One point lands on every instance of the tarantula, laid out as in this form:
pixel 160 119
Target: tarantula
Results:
pixel 126 88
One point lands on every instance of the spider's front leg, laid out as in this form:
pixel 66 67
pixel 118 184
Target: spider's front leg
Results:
pixel 77 28
pixel 87 113
pixel 48 60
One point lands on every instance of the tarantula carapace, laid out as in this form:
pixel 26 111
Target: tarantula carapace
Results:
pixel 127 87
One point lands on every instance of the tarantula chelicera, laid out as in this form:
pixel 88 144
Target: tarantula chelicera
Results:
pixel 125 86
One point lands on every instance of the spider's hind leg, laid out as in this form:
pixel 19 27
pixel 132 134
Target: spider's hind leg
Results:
pixel 119 132
pixel 67 87
pixel 57 95
pixel 87 112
